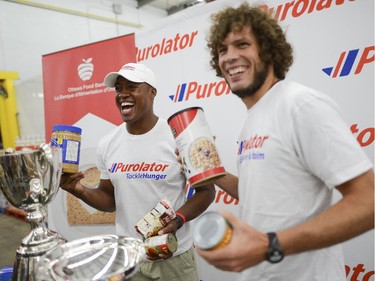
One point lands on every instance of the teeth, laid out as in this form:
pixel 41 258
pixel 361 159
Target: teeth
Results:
pixel 125 103
pixel 236 70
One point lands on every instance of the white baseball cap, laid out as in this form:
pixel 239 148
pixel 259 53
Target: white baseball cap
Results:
pixel 135 72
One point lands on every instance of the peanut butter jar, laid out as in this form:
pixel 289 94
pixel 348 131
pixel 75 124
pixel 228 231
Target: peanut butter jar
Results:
pixel 68 139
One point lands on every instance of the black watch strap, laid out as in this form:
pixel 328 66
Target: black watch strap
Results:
pixel 180 221
pixel 274 253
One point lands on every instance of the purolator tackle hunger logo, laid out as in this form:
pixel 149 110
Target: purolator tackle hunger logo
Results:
pixel 85 69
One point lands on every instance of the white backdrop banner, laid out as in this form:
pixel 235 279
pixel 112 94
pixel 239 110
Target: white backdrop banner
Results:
pixel 334 52
pixel 331 53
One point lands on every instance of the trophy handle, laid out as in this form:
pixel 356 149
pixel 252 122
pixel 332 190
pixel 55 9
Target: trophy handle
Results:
pixel 45 158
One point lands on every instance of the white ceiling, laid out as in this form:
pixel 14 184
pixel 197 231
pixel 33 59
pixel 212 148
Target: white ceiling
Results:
pixel 171 6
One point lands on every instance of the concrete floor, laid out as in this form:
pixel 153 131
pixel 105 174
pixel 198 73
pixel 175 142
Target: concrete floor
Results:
pixel 12 231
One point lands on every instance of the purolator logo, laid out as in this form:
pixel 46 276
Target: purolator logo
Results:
pixel 348 61
pixel 137 167
pixel 166 46
pixel 194 90
pixel 365 137
pixel 221 196
pixel 297 8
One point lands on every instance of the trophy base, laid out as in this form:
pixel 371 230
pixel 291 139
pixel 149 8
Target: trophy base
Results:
pixel 27 258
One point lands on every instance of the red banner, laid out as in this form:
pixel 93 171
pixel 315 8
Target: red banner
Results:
pixel 73 81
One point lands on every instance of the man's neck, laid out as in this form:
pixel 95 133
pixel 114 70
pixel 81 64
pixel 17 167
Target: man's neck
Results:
pixel 142 126
pixel 271 80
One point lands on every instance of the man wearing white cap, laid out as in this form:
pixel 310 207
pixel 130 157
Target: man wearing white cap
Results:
pixel 139 168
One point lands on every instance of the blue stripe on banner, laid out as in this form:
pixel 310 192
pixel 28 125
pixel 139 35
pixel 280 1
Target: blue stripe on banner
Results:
pixel 349 62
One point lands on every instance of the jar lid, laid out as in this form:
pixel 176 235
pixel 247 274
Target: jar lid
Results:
pixel 68 128
pixel 209 230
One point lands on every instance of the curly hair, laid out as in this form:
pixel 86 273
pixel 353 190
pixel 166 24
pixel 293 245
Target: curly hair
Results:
pixel 274 49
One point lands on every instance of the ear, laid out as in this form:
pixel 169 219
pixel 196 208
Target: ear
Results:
pixel 153 92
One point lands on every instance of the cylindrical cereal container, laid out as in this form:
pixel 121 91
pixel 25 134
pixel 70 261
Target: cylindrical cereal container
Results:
pixel 68 138
pixel 211 231
pixel 196 146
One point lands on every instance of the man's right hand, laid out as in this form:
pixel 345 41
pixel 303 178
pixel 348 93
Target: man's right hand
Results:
pixel 70 182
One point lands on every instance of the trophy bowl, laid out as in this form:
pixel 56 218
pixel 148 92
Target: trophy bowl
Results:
pixel 102 257
pixel 29 180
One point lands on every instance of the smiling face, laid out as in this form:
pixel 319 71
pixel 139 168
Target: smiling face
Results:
pixel 135 103
pixel 241 65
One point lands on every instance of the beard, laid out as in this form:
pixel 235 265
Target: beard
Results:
pixel 260 76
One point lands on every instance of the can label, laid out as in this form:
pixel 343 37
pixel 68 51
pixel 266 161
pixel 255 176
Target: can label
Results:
pixel 70 149
pixel 196 146
pixel 164 244
pixel 68 139
pixel 156 219
pixel 225 240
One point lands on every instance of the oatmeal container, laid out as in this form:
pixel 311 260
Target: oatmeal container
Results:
pixel 212 231
pixel 68 138
pixel 196 146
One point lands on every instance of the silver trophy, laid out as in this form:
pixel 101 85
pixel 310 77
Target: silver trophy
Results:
pixel 29 181
pixel 102 258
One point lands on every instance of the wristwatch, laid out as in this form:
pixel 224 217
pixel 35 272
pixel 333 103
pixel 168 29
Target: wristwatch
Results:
pixel 274 253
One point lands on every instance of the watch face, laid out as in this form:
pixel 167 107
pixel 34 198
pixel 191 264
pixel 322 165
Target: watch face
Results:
pixel 275 256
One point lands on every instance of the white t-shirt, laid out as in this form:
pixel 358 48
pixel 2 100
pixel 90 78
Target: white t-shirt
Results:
pixel 143 170
pixel 293 149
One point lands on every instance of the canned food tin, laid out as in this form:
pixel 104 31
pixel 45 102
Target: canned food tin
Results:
pixel 156 219
pixel 196 146
pixel 68 138
pixel 163 244
pixel 212 231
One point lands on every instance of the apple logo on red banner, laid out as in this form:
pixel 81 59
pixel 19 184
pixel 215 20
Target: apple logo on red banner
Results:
pixel 86 69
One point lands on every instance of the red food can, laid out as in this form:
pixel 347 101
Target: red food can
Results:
pixel 196 146
pixel 163 244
